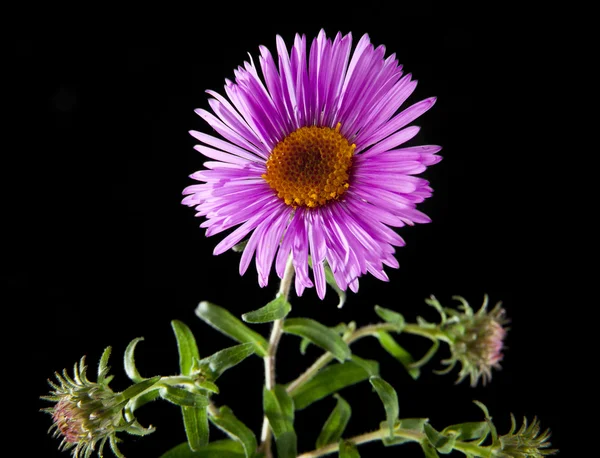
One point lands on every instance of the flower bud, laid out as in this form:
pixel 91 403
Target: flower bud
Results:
pixel 476 340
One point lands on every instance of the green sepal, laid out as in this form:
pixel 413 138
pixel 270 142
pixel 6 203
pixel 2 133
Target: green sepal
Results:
pixel 218 449
pixel 348 450
pixel 389 398
pixel 240 246
pixel 475 430
pixel 336 423
pixel 287 445
pixel 391 317
pixel 277 309
pixel 103 367
pixel 320 335
pixel 443 444
pixel 331 379
pixel 330 279
pixel 129 361
pixel 217 363
pixel 223 321
pixel 195 421
pixel 390 345
pixel 182 397
pixel 138 388
pixel 227 422
pixel 279 410
pixel 187 347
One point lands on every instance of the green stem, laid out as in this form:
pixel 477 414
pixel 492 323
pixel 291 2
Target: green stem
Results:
pixel 269 359
pixel 363 438
pixel 409 434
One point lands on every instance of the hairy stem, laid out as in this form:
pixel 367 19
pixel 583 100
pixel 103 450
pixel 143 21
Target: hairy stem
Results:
pixel 269 359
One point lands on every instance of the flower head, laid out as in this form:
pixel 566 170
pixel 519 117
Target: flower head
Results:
pixel 527 442
pixel 89 413
pixel 476 340
pixel 309 161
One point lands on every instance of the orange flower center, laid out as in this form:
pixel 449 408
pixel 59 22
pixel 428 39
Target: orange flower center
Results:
pixel 310 166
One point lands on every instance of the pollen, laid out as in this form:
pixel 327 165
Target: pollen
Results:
pixel 311 166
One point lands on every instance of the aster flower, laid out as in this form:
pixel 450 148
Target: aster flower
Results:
pixel 309 163
pixel 87 414
pixel 476 339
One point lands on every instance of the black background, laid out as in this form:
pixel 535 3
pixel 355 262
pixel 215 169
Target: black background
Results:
pixel 99 249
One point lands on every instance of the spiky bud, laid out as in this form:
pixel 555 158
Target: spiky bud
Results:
pixel 476 340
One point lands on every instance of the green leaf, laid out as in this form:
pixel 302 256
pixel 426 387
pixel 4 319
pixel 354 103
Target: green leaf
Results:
pixel 227 422
pixel 195 422
pixel 277 309
pixel 319 335
pixel 391 346
pixel 330 380
pixel 391 317
pixel 206 385
pixel 182 397
pixel 389 398
pixel 279 409
pixel 443 444
pixel 468 431
pixel 428 450
pixel 217 449
pixel 335 424
pixel 222 320
pixel 410 424
pixel 370 366
pixel 186 344
pixel 138 388
pixel 330 279
pixel 287 445
pixel 348 450
pixel 129 361
pixel 222 360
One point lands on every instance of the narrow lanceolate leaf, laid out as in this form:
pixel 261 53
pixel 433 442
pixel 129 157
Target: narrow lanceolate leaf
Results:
pixel 129 361
pixel 222 360
pixel 330 380
pixel 138 388
pixel 468 431
pixel 442 443
pixel 406 424
pixel 182 397
pixel 217 449
pixel 348 450
pixel 391 317
pixel 186 344
pixel 320 335
pixel 195 421
pixel 287 445
pixel 389 398
pixel 222 320
pixel 335 424
pixel 390 345
pixel 279 409
pixel 277 309
pixel 227 422
pixel 429 450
